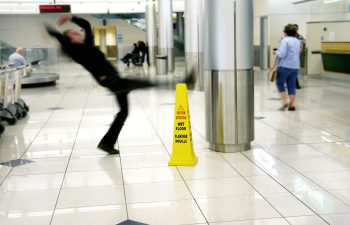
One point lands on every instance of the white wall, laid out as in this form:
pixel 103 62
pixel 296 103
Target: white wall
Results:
pixel 28 30
pixel 317 33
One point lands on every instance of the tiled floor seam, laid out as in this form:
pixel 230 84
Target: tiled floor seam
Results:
pixel 124 190
pixel 193 198
pixel 64 176
pixel 284 187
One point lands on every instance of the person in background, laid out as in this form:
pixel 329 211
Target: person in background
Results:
pixel 128 56
pixel 16 59
pixel 288 65
pixel 302 49
pixel 144 51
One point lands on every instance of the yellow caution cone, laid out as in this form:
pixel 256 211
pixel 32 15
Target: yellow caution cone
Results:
pixel 183 153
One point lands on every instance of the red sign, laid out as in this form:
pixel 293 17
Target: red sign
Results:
pixel 54 8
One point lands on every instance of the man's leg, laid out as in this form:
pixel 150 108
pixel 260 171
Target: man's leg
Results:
pixel 108 141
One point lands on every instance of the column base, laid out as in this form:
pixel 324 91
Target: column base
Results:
pixel 231 148
pixel 170 53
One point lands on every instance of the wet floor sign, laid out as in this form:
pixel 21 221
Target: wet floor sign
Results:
pixel 183 153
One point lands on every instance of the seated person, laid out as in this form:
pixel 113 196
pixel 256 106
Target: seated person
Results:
pixel 128 56
pixel 16 59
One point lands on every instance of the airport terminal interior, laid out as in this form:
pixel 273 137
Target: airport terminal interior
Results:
pixel 220 152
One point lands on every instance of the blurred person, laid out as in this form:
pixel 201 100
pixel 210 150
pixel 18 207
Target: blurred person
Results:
pixel 82 51
pixel 288 65
pixel 16 59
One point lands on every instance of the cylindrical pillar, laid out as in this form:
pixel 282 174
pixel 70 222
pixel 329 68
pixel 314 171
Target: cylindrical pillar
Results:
pixel 151 31
pixel 194 33
pixel 229 80
pixel 180 26
pixel 165 33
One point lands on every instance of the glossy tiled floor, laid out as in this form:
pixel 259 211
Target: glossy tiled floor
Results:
pixel 297 173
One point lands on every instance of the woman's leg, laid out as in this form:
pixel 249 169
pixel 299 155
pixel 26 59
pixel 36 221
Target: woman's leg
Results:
pixel 280 81
pixel 291 85
pixel 112 134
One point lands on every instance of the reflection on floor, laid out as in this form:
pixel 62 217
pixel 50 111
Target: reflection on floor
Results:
pixel 297 173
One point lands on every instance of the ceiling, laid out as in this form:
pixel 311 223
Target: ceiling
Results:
pixel 81 6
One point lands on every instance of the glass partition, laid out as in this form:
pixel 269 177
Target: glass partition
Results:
pixel 43 60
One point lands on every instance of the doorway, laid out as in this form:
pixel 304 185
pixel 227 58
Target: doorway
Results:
pixel 106 40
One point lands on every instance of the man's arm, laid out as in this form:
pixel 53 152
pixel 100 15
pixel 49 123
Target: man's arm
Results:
pixel 61 38
pixel 87 28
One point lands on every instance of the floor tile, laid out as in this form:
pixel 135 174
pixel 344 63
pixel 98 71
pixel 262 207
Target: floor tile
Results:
pixel 142 150
pixel 224 187
pixel 91 196
pixel 32 182
pixel 288 205
pixel 331 180
pixel 297 182
pixel 93 178
pixel 93 163
pixel 26 218
pixel 256 222
pixel 173 212
pixel 236 208
pixel 306 220
pixel 41 166
pixel 145 161
pixel 208 171
pixel 28 200
pixel 294 152
pixel 344 195
pixel 338 149
pixel 316 165
pixel 337 219
pixel 92 215
pixel 265 184
pixel 157 192
pixel 4 170
pixel 151 175
pixel 322 202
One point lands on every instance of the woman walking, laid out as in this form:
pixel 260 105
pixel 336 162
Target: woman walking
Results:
pixel 288 66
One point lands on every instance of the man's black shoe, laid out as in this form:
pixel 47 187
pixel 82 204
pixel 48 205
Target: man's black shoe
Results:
pixel 110 150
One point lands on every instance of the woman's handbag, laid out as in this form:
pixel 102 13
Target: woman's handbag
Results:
pixel 273 75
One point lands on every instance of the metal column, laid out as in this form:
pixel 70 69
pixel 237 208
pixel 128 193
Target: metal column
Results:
pixel 194 33
pixel 151 31
pixel 180 28
pixel 165 34
pixel 229 79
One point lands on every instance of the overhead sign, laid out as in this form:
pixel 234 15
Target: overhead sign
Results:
pixel 54 8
